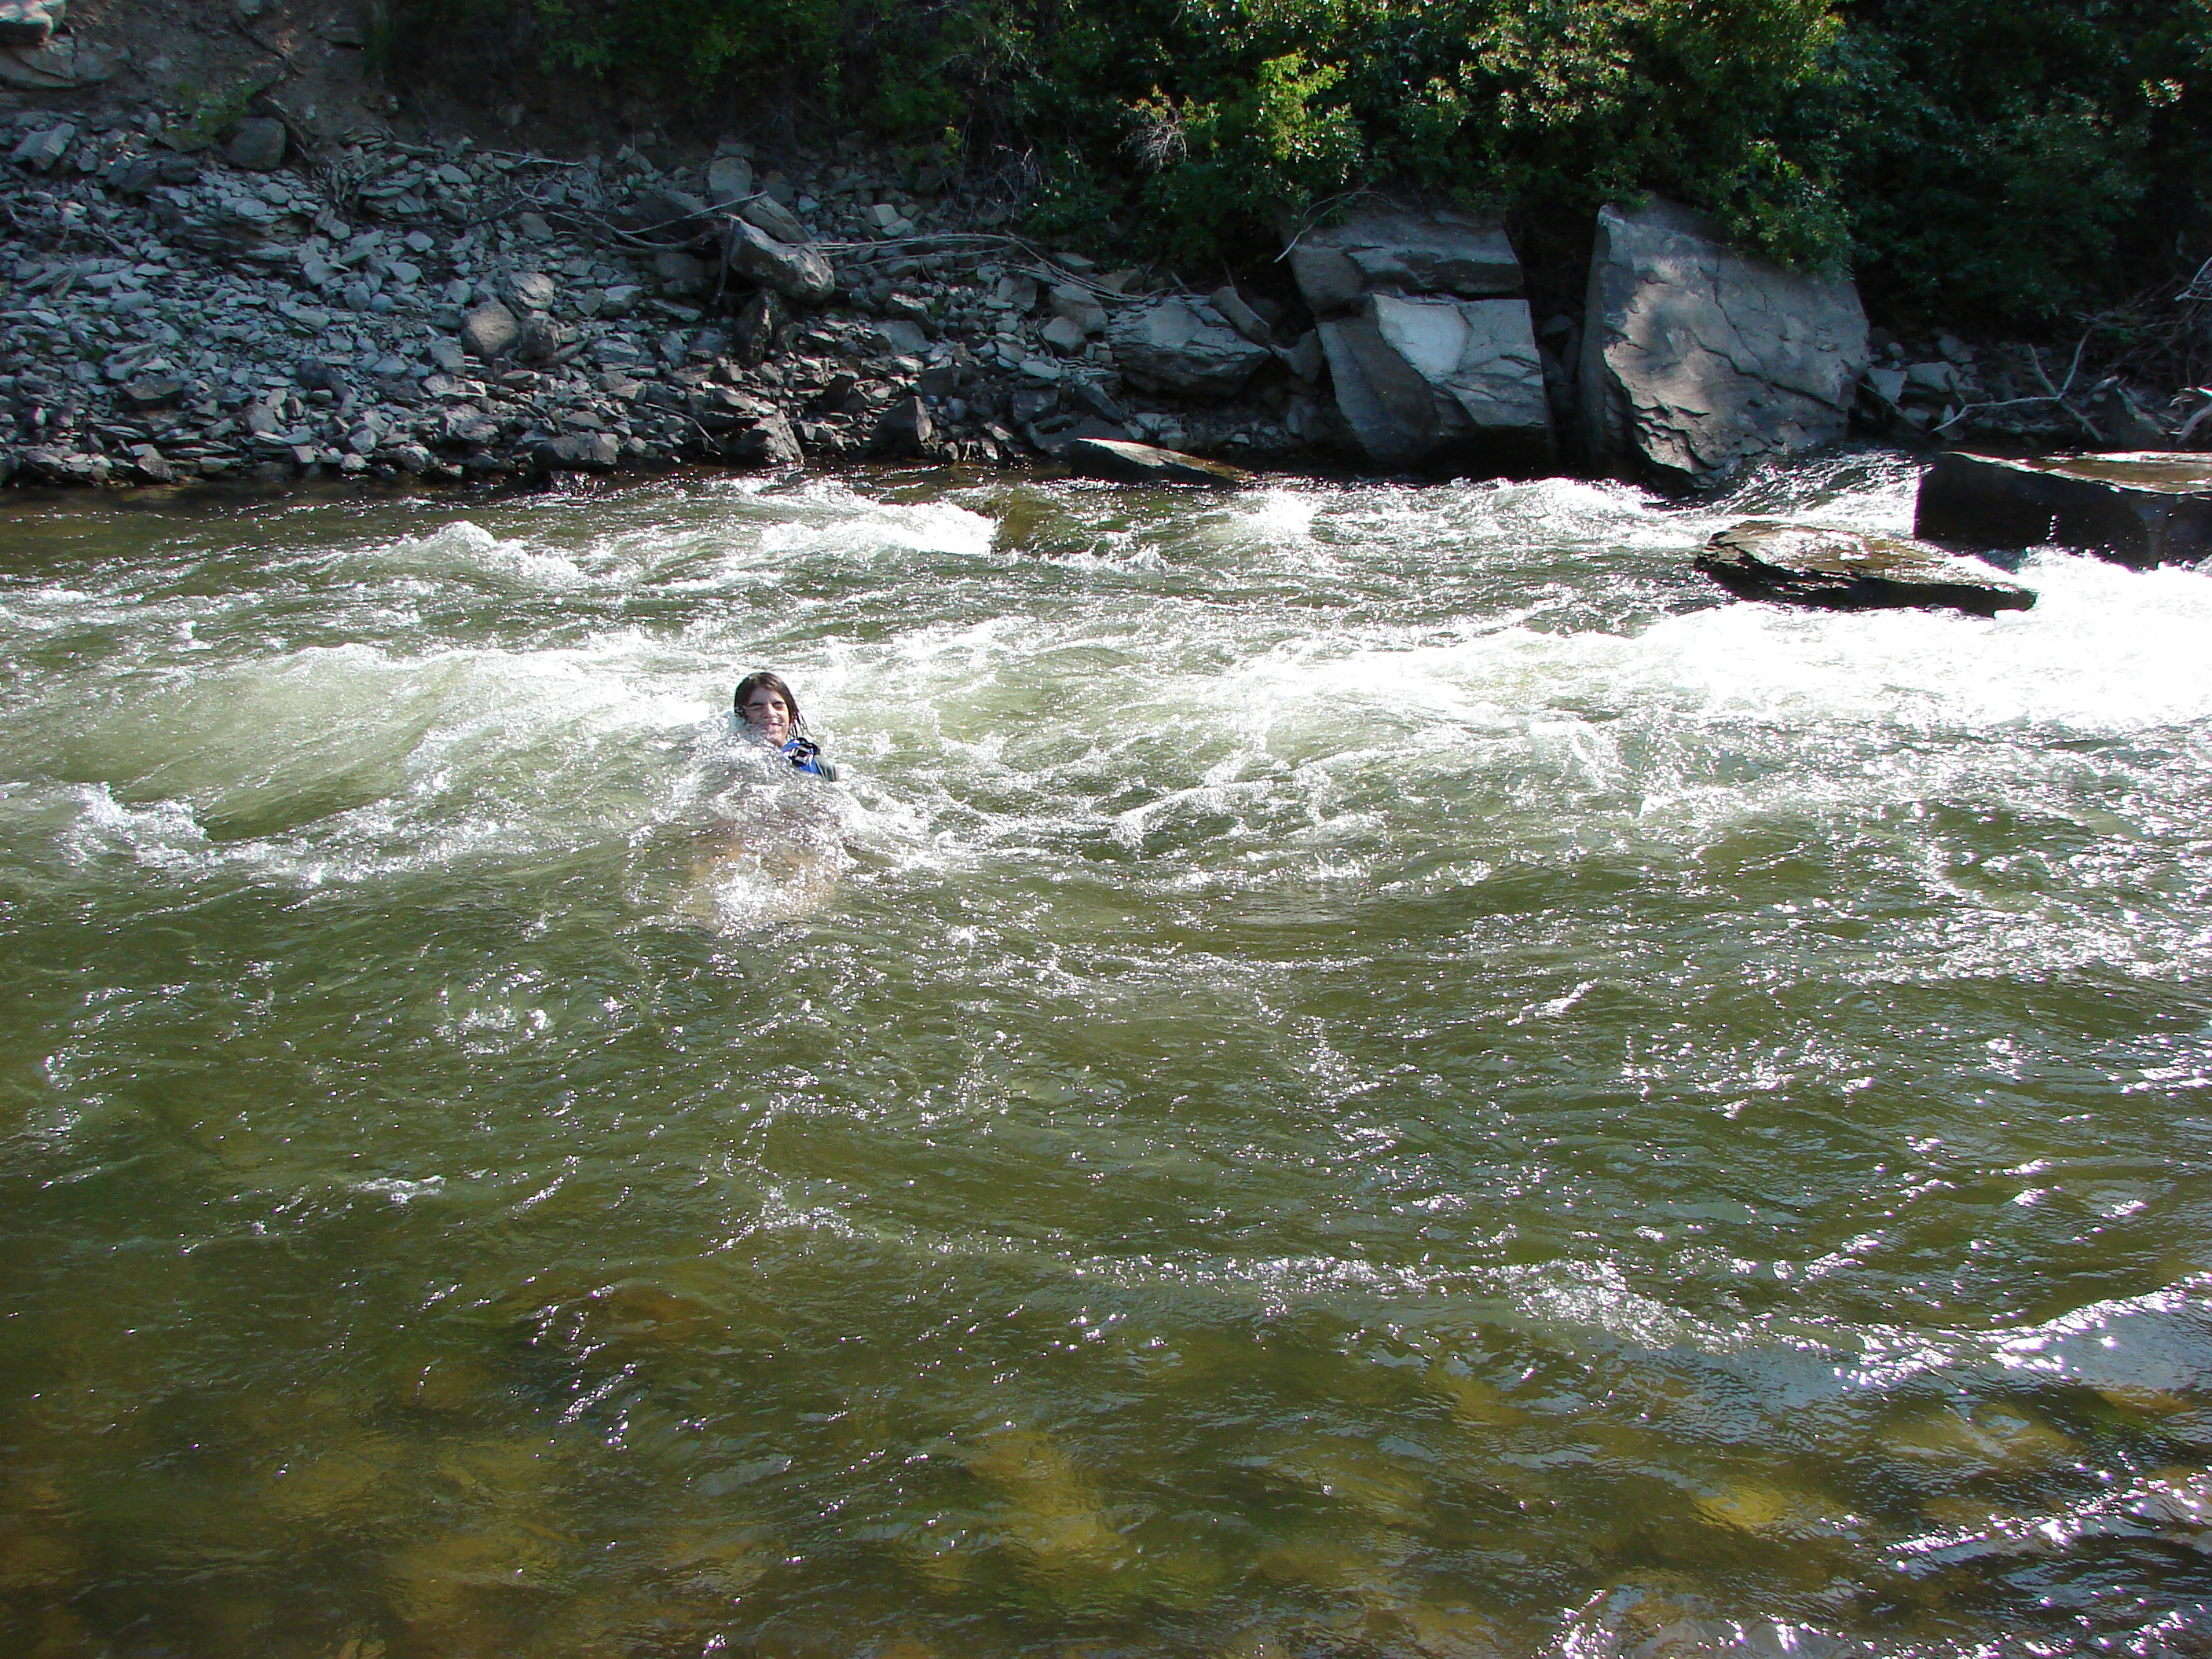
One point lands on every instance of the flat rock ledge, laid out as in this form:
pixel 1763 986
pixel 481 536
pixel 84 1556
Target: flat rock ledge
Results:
pixel 1133 463
pixel 2138 508
pixel 1832 570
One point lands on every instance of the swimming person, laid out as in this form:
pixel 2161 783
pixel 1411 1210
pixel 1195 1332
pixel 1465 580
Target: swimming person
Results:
pixel 765 710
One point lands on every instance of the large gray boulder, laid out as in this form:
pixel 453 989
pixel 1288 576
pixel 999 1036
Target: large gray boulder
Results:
pixel 1696 358
pixel 1429 381
pixel 1403 251
pixel 796 273
pixel 28 23
pixel 1431 349
pixel 1184 345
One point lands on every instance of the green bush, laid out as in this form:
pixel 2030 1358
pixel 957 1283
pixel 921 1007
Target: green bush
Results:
pixel 1969 161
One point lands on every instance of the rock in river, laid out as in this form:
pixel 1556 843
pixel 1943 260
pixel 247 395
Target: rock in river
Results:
pixel 2139 509
pixel 1134 463
pixel 1832 570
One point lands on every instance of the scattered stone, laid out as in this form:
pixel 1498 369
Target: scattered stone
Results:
pixel 1431 352
pixel 154 390
pixel 679 273
pixel 1079 307
pixel 61 64
pixel 151 466
pixel 2122 424
pixel 753 334
pixel 1832 570
pixel 767 441
pixel 905 428
pixel 533 290
pixel 1241 317
pixel 729 180
pixel 490 330
pixel 2138 509
pixel 257 144
pixel 42 147
pixel 533 226
pixel 1696 358
pixel 769 215
pixel 1135 463
pixel 1063 335
pixel 581 452
pixel 906 339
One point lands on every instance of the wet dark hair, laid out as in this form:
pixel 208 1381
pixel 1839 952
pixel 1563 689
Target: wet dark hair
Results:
pixel 764 680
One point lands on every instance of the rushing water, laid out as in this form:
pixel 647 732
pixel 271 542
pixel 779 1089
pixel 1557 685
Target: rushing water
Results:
pixel 1350 1071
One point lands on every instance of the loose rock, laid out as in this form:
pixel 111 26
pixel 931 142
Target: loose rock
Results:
pixel 257 144
pixel 490 330
pixel 1832 570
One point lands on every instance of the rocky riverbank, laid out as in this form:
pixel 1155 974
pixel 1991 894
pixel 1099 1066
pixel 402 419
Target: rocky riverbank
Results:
pixel 185 299
pixel 176 309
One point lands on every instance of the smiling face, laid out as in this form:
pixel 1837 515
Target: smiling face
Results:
pixel 767 714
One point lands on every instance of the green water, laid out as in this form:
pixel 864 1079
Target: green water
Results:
pixel 1350 1071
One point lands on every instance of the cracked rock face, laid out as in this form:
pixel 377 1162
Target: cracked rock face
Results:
pixel 1418 377
pixel 1181 345
pixel 1430 347
pixel 1697 358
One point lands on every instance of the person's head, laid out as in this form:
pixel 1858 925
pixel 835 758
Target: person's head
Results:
pixel 765 704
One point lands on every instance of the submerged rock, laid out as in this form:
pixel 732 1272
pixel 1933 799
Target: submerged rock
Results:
pixel 2139 509
pixel 1134 463
pixel 1696 358
pixel 1832 570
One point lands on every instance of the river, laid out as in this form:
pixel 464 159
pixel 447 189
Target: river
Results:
pixel 1349 1070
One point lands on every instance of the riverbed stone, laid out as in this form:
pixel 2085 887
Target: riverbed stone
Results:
pixel 905 428
pixel 581 452
pixel 490 330
pixel 533 290
pixel 1827 568
pixel 1696 358
pixel 42 147
pixel 766 213
pixel 1241 316
pixel 257 144
pixel 1079 307
pixel 154 390
pixel 729 180
pixel 767 441
pixel 1179 344
pixel 2137 508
